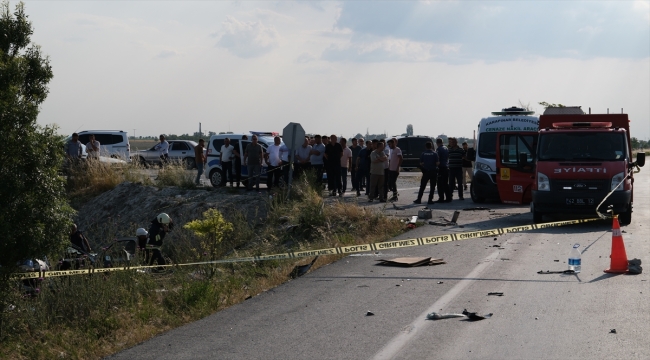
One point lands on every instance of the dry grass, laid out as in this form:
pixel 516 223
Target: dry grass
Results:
pixel 91 317
pixel 91 178
pixel 175 174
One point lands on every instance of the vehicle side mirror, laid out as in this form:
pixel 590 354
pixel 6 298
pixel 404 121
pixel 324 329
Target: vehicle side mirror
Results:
pixel 640 159
pixel 523 159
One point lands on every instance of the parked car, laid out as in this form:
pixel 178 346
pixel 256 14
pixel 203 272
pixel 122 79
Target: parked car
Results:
pixel 179 150
pixel 104 159
pixel 113 143
pixel 213 169
pixel 412 147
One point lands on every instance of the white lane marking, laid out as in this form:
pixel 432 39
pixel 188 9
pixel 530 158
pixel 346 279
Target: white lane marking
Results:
pixel 395 345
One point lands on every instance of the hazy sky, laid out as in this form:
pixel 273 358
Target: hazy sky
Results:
pixel 156 67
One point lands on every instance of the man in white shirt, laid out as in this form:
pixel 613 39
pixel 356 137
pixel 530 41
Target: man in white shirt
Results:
pixel 163 150
pixel 395 164
pixel 284 159
pixel 92 147
pixel 346 165
pixel 386 165
pixel 225 158
pixel 273 160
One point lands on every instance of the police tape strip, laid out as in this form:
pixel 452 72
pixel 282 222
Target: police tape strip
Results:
pixel 341 250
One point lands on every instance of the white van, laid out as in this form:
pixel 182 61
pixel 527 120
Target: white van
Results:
pixel 484 184
pixel 213 170
pixel 112 143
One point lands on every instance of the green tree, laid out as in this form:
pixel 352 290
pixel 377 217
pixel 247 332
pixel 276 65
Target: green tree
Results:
pixel 548 105
pixel 211 230
pixel 634 142
pixel 34 213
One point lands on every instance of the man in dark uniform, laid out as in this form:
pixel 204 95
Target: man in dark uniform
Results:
pixel 429 166
pixel 444 194
pixel 78 239
pixel 160 226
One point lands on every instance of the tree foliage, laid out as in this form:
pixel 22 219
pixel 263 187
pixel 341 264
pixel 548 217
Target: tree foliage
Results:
pixel 211 230
pixel 547 105
pixel 34 213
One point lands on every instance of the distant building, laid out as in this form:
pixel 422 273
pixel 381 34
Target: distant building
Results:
pixel 409 130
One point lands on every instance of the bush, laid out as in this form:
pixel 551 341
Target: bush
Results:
pixel 175 174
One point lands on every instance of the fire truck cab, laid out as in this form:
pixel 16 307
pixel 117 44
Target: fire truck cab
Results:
pixel 580 159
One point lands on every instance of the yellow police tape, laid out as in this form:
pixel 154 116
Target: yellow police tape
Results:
pixel 329 251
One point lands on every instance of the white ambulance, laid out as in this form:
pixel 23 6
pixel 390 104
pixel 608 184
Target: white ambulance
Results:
pixel 484 184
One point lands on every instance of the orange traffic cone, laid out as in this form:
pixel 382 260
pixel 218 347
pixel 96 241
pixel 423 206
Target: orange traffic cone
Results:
pixel 618 262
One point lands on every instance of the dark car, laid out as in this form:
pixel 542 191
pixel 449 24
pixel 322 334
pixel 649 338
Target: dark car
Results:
pixel 412 147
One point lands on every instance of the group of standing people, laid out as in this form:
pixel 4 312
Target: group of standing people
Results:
pixel 446 167
pixel 373 167
pixel 74 148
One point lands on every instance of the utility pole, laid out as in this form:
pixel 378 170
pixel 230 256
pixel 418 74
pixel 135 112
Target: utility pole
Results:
pixel 134 133
pixel 200 133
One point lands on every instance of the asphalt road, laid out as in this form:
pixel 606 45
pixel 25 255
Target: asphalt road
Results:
pixel 322 315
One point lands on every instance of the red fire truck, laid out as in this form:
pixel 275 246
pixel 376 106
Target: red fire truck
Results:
pixel 580 159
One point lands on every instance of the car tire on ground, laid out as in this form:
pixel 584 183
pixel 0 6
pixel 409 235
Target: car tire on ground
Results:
pixel 189 163
pixel 537 216
pixel 475 197
pixel 217 178
pixel 625 218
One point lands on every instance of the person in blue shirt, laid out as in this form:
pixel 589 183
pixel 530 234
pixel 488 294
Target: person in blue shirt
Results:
pixel 444 193
pixel 429 165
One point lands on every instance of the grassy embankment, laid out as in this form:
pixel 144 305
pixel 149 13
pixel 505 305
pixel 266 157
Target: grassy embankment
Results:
pixel 86 317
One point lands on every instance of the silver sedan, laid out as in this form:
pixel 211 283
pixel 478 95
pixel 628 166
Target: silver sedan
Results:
pixel 179 150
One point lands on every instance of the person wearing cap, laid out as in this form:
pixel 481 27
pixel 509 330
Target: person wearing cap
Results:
pixel 160 226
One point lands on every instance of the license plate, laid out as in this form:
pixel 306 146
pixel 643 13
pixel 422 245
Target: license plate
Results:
pixel 579 201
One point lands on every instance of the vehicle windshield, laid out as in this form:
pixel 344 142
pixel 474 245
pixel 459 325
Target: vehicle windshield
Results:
pixel 595 146
pixel 487 145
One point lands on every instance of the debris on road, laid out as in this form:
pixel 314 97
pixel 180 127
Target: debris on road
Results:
pixel 446 222
pixel 479 208
pixel 301 270
pixel 439 316
pixel 634 266
pixel 397 207
pixel 471 316
pixel 495 293
pixel 612 331
pixel 475 317
pixel 440 282
pixel 556 272
pixel 411 261
pixel 425 213
pixel 370 313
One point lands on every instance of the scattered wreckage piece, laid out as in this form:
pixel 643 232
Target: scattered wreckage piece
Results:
pixel 446 222
pixel 411 261
pixel 301 270
pixel 471 316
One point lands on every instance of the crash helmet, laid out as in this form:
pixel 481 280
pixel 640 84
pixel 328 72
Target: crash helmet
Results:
pixel 141 232
pixel 163 218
